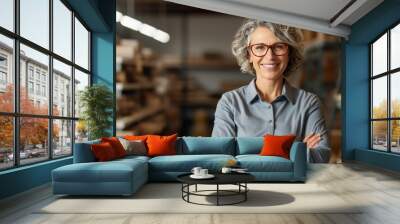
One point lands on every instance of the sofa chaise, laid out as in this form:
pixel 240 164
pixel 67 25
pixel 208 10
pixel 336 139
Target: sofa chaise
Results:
pixel 125 176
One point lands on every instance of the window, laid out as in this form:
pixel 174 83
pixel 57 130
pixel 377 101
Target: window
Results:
pixel 30 87
pixel 37 74
pixel 385 94
pixel 62 29
pixel 30 73
pixel 3 81
pixel 3 71
pixel 7 86
pixel 54 125
pixel 7 14
pixel 38 89
pixel 62 75
pixel 3 61
pixel 81 45
pixel 34 22
pixel 81 81
pixel 43 90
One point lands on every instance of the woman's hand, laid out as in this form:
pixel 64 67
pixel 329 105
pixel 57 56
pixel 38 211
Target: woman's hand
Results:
pixel 312 140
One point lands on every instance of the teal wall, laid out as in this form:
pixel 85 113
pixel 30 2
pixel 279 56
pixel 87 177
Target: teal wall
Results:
pixel 24 178
pixel 103 54
pixel 356 86
pixel 99 16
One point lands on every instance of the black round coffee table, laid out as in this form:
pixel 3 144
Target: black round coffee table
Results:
pixel 238 179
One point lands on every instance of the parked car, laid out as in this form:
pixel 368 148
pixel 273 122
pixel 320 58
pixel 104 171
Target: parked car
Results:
pixel 22 155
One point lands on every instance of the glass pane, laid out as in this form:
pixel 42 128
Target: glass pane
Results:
pixel 81 132
pixel 395 47
pixel 35 21
pixel 81 81
pixel 395 94
pixel 379 98
pixel 6 142
pixel 6 74
pixel 379 135
pixel 62 89
pixel 62 29
pixel 34 97
pixel 7 14
pixel 33 139
pixel 62 138
pixel 379 55
pixel 81 45
pixel 395 136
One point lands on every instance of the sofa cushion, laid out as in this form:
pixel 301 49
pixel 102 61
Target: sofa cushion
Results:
pixel 136 137
pixel 116 145
pixel 134 147
pixel 112 171
pixel 249 145
pixel 161 145
pixel 103 152
pixel 257 163
pixel 277 145
pixel 206 145
pixel 131 158
pixel 185 163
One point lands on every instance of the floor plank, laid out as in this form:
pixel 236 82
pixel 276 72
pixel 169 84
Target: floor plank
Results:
pixel 377 190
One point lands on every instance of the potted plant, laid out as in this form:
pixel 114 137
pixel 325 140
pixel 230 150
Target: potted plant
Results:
pixel 96 103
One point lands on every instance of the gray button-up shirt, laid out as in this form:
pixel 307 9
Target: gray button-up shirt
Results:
pixel 241 112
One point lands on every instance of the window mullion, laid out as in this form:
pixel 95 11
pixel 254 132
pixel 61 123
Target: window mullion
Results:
pixel 50 81
pixel 371 137
pixel 16 84
pixel 389 94
pixel 73 82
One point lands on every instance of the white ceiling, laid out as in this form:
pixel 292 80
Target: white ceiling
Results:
pixel 316 15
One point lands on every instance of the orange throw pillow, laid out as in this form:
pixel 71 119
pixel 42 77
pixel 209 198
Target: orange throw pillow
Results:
pixel 136 137
pixel 116 145
pixel 103 152
pixel 277 145
pixel 161 145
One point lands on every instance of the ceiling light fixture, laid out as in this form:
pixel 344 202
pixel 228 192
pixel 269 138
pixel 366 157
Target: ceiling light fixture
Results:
pixel 118 16
pixel 143 28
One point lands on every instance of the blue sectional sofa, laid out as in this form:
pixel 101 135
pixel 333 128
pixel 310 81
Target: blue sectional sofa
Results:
pixel 125 176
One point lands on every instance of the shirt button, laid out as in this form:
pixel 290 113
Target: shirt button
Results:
pixel 269 106
pixel 270 121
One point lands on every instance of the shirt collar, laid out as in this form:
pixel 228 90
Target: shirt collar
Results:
pixel 288 91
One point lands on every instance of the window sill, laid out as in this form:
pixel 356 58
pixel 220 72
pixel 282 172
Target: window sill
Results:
pixel 26 167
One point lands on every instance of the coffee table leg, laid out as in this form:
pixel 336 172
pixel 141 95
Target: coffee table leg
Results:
pixel 217 194
pixel 188 189
pixel 245 191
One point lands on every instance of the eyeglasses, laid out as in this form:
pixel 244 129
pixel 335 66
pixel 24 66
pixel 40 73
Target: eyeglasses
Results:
pixel 260 50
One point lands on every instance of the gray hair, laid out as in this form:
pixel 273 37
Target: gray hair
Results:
pixel 290 35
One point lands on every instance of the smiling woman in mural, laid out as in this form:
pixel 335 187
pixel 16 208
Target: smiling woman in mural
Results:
pixel 269 104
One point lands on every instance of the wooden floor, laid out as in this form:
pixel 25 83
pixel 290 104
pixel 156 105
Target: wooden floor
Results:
pixel 377 188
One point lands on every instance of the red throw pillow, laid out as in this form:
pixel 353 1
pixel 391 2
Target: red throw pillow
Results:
pixel 103 151
pixel 161 145
pixel 136 137
pixel 116 145
pixel 277 145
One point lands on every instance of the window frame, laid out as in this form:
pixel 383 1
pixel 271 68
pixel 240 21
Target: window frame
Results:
pixel 388 74
pixel 16 114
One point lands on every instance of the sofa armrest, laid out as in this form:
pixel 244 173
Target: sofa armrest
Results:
pixel 83 152
pixel 298 155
